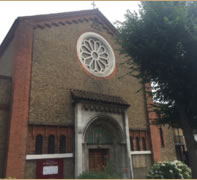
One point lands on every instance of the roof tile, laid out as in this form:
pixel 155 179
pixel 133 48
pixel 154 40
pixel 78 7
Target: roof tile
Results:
pixel 97 97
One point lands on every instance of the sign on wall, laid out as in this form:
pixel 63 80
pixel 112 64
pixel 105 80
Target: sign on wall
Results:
pixel 49 168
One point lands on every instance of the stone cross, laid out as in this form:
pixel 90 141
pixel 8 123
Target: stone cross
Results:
pixel 93 4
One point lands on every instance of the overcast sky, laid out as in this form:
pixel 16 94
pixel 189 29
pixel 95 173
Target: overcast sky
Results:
pixel 10 10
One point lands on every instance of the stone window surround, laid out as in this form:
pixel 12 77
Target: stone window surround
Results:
pixel 98 59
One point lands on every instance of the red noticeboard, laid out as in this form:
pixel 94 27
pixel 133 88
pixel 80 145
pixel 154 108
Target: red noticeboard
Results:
pixel 49 169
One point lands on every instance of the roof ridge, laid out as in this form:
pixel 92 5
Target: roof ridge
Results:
pixel 55 15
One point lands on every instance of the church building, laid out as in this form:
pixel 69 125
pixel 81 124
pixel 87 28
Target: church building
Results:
pixel 66 106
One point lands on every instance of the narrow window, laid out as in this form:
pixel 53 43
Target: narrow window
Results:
pixel 137 144
pixel 38 145
pixel 161 137
pixel 51 144
pixel 131 142
pixel 144 143
pixel 70 144
pixel 62 147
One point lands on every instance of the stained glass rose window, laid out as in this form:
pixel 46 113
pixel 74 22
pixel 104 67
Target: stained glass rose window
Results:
pixel 95 54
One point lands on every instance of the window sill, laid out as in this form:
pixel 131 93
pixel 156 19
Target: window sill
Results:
pixel 48 156
pixel 140 152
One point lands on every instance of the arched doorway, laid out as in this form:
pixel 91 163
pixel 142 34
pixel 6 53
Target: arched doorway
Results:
pixel 104 145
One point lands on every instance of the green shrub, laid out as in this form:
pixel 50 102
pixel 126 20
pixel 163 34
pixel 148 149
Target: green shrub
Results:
pixel 95 175
pixel 108 172
pixel 169 170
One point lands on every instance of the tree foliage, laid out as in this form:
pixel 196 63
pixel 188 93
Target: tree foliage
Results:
pixel 162 43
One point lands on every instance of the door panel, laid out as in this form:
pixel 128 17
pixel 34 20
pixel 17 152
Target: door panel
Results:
pixel 97 159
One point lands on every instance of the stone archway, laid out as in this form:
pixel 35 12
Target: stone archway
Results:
pixel 96 114
pixel 104 145
pixel 103 130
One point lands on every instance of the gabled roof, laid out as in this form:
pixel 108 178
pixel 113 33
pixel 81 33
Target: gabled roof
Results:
pixel 57 19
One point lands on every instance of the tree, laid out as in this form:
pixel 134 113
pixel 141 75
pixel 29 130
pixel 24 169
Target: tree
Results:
pixel 161 45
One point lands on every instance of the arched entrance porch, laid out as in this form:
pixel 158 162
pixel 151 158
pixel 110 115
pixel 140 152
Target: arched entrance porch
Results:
pixel 101 131
pixel 104 145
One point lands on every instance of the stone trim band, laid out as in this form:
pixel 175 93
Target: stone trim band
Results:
pixel 140 152
pixel 48 156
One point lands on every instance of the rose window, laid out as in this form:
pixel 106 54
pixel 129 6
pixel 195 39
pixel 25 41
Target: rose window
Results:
pixel 95 54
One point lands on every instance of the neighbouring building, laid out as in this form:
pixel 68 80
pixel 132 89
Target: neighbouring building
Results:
pixel 64 108
pixel 180 146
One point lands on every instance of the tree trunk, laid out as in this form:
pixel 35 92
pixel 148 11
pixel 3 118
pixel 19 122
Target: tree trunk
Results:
pixel 189 138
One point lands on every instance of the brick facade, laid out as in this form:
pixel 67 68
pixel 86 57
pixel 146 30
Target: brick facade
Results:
pixel 44 67
pixel 5 94
pixel 50 94
pixel 162 138
pixel 20 102
pixel 154 132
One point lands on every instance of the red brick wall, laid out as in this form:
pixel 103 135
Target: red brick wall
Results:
pixel 5 92
pixel 20 102
pixel 140 134
pixel 154 131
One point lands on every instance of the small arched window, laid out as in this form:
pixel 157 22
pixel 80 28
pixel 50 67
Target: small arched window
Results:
pixel 144 143
pixel 38 144
pixel 62 147
pixel 137 144
pixel 51 144
pixel 161 137
pixel 131 142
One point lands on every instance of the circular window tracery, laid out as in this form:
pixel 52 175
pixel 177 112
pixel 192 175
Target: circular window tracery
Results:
pixel 95 54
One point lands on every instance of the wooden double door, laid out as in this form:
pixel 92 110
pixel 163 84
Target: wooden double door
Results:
pixel 97 159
